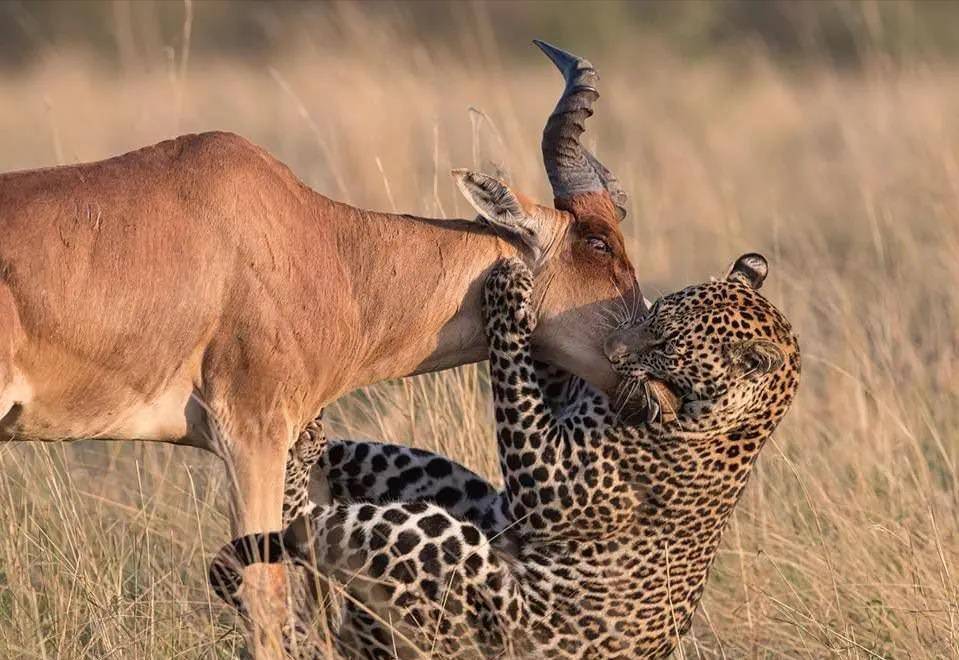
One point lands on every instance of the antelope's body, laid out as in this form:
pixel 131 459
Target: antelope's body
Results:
pixel 197 292
pixel 254 290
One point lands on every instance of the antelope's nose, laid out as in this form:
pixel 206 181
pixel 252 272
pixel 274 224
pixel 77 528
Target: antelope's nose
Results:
pixel 616 347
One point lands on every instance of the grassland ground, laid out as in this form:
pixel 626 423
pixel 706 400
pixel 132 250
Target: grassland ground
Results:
pixel 846 543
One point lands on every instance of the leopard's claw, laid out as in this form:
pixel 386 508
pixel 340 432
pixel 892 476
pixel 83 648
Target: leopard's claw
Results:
pixel 507 296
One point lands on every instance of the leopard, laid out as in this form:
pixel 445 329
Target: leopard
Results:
pixel 600 541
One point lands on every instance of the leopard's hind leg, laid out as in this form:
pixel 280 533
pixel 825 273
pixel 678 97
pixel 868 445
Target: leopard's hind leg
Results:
pixel 301 492
pixel 418 580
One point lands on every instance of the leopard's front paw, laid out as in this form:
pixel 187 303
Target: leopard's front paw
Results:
pixel 508 299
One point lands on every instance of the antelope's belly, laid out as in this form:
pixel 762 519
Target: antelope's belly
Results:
pixel 111 411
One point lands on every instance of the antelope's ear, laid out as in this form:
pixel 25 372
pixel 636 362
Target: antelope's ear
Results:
pixel 751 269
pixel 500 207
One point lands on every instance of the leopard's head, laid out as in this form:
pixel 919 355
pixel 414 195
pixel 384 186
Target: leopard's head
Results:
pixel 711 358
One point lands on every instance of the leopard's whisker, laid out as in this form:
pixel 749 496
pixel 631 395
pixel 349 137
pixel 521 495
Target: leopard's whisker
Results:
pixel 611 319
pixel 614 315
pixel 621 299
pixel 624 396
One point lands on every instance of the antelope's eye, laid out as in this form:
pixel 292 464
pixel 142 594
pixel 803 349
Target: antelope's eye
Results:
pixel 598 244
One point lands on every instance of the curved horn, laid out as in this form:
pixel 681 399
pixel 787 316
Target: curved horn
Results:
pixel 571 168
pixel 611 183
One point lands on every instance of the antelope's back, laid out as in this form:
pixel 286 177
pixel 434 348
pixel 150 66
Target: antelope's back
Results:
pixel 115 265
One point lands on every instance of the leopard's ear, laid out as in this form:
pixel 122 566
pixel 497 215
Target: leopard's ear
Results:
pixel 757 357
pixel 750 269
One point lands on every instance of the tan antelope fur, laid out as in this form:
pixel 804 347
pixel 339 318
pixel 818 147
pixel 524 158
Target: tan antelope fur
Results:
pixel 197 292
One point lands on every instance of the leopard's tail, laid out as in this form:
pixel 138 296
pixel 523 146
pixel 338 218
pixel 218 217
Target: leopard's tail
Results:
pixel 226 569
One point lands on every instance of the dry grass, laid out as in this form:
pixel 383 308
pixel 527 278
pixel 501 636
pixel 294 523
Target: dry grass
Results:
pixel 847 541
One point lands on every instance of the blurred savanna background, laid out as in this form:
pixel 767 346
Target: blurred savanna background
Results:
pixel 825 135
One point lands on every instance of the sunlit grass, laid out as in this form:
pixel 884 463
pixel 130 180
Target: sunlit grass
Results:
pixel 846 543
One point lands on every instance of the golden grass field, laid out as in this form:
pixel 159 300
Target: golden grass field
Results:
pixel 846 543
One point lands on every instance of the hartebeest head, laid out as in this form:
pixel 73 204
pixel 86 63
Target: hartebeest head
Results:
pixel 586 283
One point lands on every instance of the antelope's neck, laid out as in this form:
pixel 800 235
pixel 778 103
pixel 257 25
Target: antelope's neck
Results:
pixel 414 287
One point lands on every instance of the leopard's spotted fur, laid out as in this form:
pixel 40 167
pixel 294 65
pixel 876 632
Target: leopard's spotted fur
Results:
pixel 600 543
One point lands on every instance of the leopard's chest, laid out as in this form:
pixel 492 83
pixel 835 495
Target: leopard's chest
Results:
pixel 573 591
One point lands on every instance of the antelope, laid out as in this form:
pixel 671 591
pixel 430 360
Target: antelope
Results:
pixel 196 292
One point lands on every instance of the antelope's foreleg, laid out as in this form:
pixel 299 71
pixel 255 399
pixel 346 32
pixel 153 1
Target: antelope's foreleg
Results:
pixel 256 464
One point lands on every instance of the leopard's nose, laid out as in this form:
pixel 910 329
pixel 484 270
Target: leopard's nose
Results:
pixel 632 340
pixel 615 348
